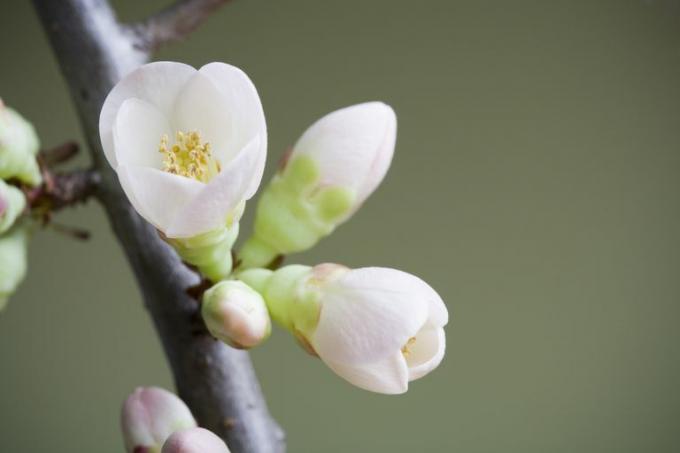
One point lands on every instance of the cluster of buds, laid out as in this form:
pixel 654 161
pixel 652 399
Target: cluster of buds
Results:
pixel 377 328
pixel 154 420
pixel 18 166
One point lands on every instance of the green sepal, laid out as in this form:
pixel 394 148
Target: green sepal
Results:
pixel 19 146
pixel 209 252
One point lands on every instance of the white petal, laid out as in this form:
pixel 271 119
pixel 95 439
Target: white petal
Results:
pixel 426 353
pixel 157 83
pixel 211 207
pixel 222 104
pixel 346 142
pixel 388 376
pixel 194 440
pixel 368 314
pixel 250 122
pixel 382 160
pixel 156 195
pixel 137 133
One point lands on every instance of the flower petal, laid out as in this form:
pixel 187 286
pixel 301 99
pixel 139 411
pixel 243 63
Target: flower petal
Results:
pixel 426 353
pixel 243 98
pixel 345 144
pixel 382 160
pixel 368 314
pixel 222 104
pixel 156 195
pixel 389 376
pixel 157 83
pixel 137 133
pixel 211 207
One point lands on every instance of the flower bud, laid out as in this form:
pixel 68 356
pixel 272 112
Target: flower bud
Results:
pixel 236 314
pixel 12 203
pixel 194 440
pixel 377 328
pixel 13 262
pixel 18 147
pixel 150 415
pixel 336 164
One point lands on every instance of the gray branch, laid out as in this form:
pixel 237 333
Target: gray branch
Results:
pixel 217 382
pixel 175 22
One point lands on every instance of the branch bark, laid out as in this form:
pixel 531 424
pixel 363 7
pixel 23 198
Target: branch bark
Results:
pixel 175 22
pixel 218 383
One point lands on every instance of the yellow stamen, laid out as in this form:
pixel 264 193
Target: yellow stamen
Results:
pixel 405 349
pixel 189 157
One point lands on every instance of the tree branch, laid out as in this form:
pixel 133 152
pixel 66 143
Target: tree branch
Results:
pixel 174 22
pixel 217 382
pixel 60 190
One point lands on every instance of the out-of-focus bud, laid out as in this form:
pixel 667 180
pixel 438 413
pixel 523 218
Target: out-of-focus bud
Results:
pixel 194 440
pixel 13 262
pixel 18 147
pixel 150 415
pixel 336 164
pixel 12 203
pixel 236 314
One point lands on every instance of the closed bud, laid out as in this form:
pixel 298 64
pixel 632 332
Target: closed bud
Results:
pixel 18 147
pixel 13 262
pixel 336 164
pixel 194 440
pixel 150 415
pixel 236 314
pixel 12 203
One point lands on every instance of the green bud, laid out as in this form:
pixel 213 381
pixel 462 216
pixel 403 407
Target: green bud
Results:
pixel 236 314
pixel 209 252
pixel 18 148
pixel 13 257
pixel 294 212
pixel 12 204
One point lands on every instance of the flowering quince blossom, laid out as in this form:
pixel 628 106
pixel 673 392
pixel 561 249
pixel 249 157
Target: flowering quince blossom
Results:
pixel 194 440
pixel 334 166
pixel 189 147
pixel 150 415
pixel 236 314
pixel 377 328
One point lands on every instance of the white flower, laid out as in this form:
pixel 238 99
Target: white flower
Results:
pixel 189 146
pixel 236 314
pixel 150 415
pixel 378 328
pixel 353 147
pixel 194 440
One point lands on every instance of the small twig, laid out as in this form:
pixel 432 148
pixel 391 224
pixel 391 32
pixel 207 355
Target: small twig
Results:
pixel 59 154
pixel 174 22
pixel 60 190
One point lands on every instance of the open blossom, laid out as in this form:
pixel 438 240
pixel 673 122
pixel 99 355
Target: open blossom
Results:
pixel 334 166
pixel 194 440
pixel 236 314
pixel 150 415
pixel 189 146
pixel 377 328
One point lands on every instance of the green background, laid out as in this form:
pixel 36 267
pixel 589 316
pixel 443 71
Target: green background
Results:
pixel 535 185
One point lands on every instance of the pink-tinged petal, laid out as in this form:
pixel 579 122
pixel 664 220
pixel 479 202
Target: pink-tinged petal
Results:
pixel 249 120
pixel 157 83
pixel 346 143
pixel 368 314
pixel 194 440
pixel 389 376
pixel 156 195
pixel 426 352
pixel 216 201
pixel 137 133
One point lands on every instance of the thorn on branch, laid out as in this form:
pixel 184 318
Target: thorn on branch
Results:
pixel 174 22
pixel 59 154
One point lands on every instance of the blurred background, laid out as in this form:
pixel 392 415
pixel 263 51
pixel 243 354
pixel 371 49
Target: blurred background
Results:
pixel 535 185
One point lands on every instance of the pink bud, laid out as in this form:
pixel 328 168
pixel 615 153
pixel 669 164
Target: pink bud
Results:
pixel 194 440
pixel 150 415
